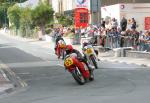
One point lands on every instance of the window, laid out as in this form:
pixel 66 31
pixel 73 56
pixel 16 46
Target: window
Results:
pixel 83 18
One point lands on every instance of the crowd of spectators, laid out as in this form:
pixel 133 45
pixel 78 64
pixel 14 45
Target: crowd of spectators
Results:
pixel 111 34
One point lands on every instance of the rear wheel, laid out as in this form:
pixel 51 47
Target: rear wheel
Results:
pixel 77 75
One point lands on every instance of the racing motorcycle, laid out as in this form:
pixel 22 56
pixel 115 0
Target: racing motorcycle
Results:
pixel 90 55
pixel 60 49
pixel 80 72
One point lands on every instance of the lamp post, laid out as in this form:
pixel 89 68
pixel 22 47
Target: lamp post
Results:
pixel 99 19
pixel 95 6
pixel 91 11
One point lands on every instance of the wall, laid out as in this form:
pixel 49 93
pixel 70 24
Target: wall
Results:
pixel 70 5
pixel 137 11
pixel 138 54
pixel 112 11
pixel 55 5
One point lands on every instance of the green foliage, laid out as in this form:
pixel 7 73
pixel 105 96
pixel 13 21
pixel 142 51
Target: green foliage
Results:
pixel 4 1
pixel 3 13
pixel 42 14
pixel 48 30
pixel 64 20
pixel 14 15
pixel 26 19
pixel 25 22
pixel 4 5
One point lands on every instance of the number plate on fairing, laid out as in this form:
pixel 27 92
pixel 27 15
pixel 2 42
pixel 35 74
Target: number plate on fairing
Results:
pixel 68 62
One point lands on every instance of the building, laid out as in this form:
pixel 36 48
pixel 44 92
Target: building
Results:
pixel 67 7
pixel 137 9
pixel 112 2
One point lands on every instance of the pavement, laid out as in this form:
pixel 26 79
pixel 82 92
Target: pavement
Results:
pixel 107 56
pixel 5 83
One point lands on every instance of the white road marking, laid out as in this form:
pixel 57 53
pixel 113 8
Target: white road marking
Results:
pixel 60 65
pixel 52 54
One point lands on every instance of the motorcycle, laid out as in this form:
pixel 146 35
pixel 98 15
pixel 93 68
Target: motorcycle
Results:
pixel 78 69
pixel 60 49
pixel 90 55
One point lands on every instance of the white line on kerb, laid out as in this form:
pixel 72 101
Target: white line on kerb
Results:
pixel 60 65
pixel 4 75
pixel 51 53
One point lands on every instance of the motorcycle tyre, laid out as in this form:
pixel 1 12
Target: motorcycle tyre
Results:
pixel 62 54
pixel 79 79
pixel 91 75
pixel 94 62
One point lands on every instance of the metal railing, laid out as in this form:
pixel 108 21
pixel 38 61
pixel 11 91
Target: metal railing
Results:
pixel 124 41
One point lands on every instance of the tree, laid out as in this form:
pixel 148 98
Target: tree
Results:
pixel 4 5
pixel 3 13
pixel 41 15
pixel 14 15
pixel 25 22
pixel 64 20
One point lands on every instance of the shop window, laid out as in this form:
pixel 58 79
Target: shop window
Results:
pixel 83 17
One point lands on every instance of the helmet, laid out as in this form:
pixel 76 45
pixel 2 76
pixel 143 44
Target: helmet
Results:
pixel 69 49
pixel 85 44
pixel 61 44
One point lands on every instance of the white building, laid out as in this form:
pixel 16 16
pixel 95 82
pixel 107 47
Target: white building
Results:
pixel 68 6
pixel 139 11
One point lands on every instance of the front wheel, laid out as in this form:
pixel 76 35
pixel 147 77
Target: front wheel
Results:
pixel 94 62
pixel 77 75
pixel 91 75
pixel 62 53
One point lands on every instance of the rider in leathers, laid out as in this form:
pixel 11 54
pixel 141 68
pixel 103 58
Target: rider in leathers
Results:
pixel 57 39
pixel 69 50
pixel 86 44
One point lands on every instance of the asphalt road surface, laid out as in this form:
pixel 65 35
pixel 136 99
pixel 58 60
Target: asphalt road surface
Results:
pixel 48 82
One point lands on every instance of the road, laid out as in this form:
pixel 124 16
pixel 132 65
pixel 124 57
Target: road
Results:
pixel 48 82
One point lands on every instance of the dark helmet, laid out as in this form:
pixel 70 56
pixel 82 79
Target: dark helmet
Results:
pixel 85 44
pixel 69 49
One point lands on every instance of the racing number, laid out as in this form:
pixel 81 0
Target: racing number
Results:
pixel 68 62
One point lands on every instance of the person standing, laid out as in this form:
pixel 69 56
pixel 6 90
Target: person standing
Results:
pixel 103 23
pixel 114 23
pixel 133 24
pixel 123 24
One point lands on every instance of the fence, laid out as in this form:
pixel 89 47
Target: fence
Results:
pixel 124 41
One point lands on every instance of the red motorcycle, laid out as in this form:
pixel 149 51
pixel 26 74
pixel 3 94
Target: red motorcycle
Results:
pixel 78 69
pixel 60 49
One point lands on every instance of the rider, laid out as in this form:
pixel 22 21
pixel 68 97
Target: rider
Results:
pixel 69 50
pixel 57 40
pixel 86 44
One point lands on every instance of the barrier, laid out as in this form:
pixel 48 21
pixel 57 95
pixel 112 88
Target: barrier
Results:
pixel 124 41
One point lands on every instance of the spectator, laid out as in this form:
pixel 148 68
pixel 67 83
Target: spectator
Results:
pixel 141 41
pixel 147 41
pixel 114 24
pixel 135 35
pixel 133 24
pixel 103 23
pixel 123 24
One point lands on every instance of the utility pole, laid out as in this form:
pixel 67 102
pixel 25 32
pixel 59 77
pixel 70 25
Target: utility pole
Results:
pixel 91 11
pixel 98 19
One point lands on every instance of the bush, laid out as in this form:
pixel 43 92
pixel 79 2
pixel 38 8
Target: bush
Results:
pixel 48 30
